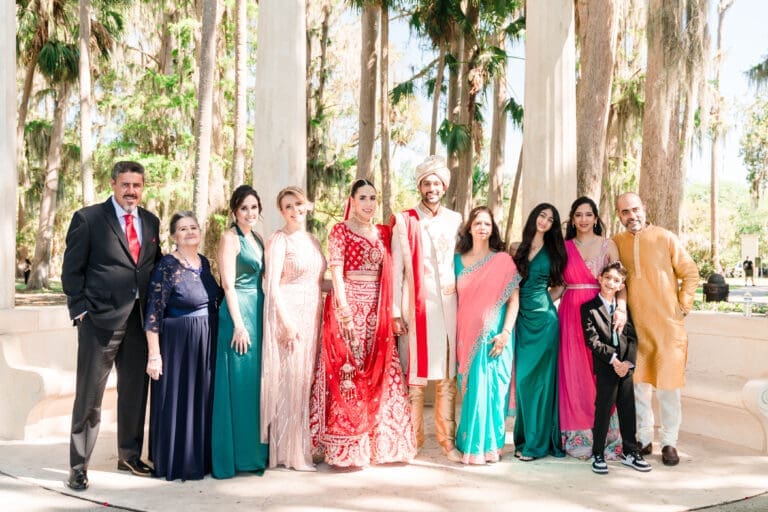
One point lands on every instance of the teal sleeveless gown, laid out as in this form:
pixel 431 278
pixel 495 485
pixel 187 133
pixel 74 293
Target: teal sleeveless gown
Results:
pixel 235 431
pixel 537 428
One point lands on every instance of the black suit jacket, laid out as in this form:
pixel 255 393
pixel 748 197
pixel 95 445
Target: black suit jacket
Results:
pixel 98 273
pixel 596 322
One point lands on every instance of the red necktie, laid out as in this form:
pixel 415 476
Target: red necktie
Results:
pixel 133 238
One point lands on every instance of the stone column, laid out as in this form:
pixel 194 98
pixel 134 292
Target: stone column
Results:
pixel 280 136
pixel 8 180
pixel 549 134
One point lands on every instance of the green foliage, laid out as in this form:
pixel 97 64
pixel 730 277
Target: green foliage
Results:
pixel 753 147
pixel 58 61
pixel 758 74
pixel 736 216
pixel 401 91
pixel 455 137
pixel 515 112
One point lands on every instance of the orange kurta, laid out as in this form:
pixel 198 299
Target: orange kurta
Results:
pixel 662 279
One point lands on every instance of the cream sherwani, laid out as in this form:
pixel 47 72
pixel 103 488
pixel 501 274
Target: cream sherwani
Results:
pixel 661 282
pixel 438 240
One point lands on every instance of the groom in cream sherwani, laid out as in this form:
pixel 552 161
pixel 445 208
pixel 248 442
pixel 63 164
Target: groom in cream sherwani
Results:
pixel 424 305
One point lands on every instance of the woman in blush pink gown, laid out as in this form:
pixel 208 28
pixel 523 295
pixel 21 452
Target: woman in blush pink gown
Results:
pixel 588 252
pixel 295 266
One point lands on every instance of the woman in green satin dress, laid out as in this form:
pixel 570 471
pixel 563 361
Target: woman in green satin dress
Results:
pixel 236 444
pixel 540 258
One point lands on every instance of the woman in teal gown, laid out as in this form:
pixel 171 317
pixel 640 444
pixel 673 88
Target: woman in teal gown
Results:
pixel 540 258
pixel 486 283
pixel 236 442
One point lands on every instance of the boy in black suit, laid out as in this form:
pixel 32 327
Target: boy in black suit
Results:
pixel 613 356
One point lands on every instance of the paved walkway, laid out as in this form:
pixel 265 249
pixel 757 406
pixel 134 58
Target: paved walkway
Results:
pixel 712 476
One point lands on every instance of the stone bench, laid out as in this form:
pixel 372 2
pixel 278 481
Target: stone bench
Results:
pixel 38 363
pixel 726 392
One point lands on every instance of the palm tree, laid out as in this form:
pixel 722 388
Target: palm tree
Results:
pixel 367 111
pixel 717 131
pixel 386 176
pixel 59 63
pixel 205 110
pixel 660 176
pixel 241 58
pixel 86 149
pixel 597 23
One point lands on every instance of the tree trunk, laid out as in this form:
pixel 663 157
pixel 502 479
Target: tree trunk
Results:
pixel 467 114
pixel 597 48
pixel 39 277
pixel 454 99
pixel 717 128
pixel 165 55
pixel 508 234
pixel 241 61
pixel 436 101
pixel 661 182
pixel 498 140
pixel 386 177
pixel 86 138
pixel 26 92
pixel 315 102
pixel 367 111
pixel 203 126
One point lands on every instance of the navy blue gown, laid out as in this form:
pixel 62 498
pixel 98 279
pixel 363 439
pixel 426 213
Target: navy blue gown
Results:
pixel 181 306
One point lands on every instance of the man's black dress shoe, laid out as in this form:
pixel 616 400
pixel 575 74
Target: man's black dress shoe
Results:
pixel 669 456
pixel 136 467
pixel 78 480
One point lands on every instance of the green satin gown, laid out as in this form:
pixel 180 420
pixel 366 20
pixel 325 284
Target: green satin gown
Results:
pixel 537 428
pixel 236 444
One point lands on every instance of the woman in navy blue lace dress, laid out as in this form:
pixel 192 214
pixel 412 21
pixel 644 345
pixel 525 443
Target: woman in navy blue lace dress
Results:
pixel 181 326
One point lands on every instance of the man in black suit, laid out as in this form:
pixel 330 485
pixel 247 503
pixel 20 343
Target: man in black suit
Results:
pixel 613 357
pixel 111 250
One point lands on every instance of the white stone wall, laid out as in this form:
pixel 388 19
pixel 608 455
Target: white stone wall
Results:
pixel 8 179
pixel 280 136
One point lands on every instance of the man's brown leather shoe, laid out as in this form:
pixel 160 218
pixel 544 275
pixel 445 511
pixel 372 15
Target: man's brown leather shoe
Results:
pixel 669 456
pixel 647 449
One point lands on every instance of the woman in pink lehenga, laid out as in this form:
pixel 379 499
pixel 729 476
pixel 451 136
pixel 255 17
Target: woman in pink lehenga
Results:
pixel 359 412
pixel 295 266
pixel 588 252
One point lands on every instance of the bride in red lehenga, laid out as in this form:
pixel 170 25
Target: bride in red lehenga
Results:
pixel 359 411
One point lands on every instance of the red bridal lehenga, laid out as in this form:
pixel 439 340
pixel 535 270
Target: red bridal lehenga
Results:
pixel 359 410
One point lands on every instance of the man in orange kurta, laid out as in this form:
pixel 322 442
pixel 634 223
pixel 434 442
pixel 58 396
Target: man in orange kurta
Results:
pixel 660 287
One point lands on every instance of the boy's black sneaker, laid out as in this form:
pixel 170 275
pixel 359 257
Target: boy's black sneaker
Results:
pixel 599 465
pixel 636 461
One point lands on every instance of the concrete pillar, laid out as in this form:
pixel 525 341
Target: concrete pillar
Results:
pixel 280 136
pixel 8 180
pixel 549 134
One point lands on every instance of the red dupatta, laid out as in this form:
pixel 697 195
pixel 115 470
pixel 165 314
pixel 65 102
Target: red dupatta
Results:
pixel 362 405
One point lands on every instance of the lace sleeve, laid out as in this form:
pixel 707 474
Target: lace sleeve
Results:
pixel 160 286
pixel 336 246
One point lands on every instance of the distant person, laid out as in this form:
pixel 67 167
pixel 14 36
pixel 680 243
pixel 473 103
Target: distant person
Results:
pixel 749 271
pixel 661 282
pixel 111 250
pixel 27 270
pixel 613 361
